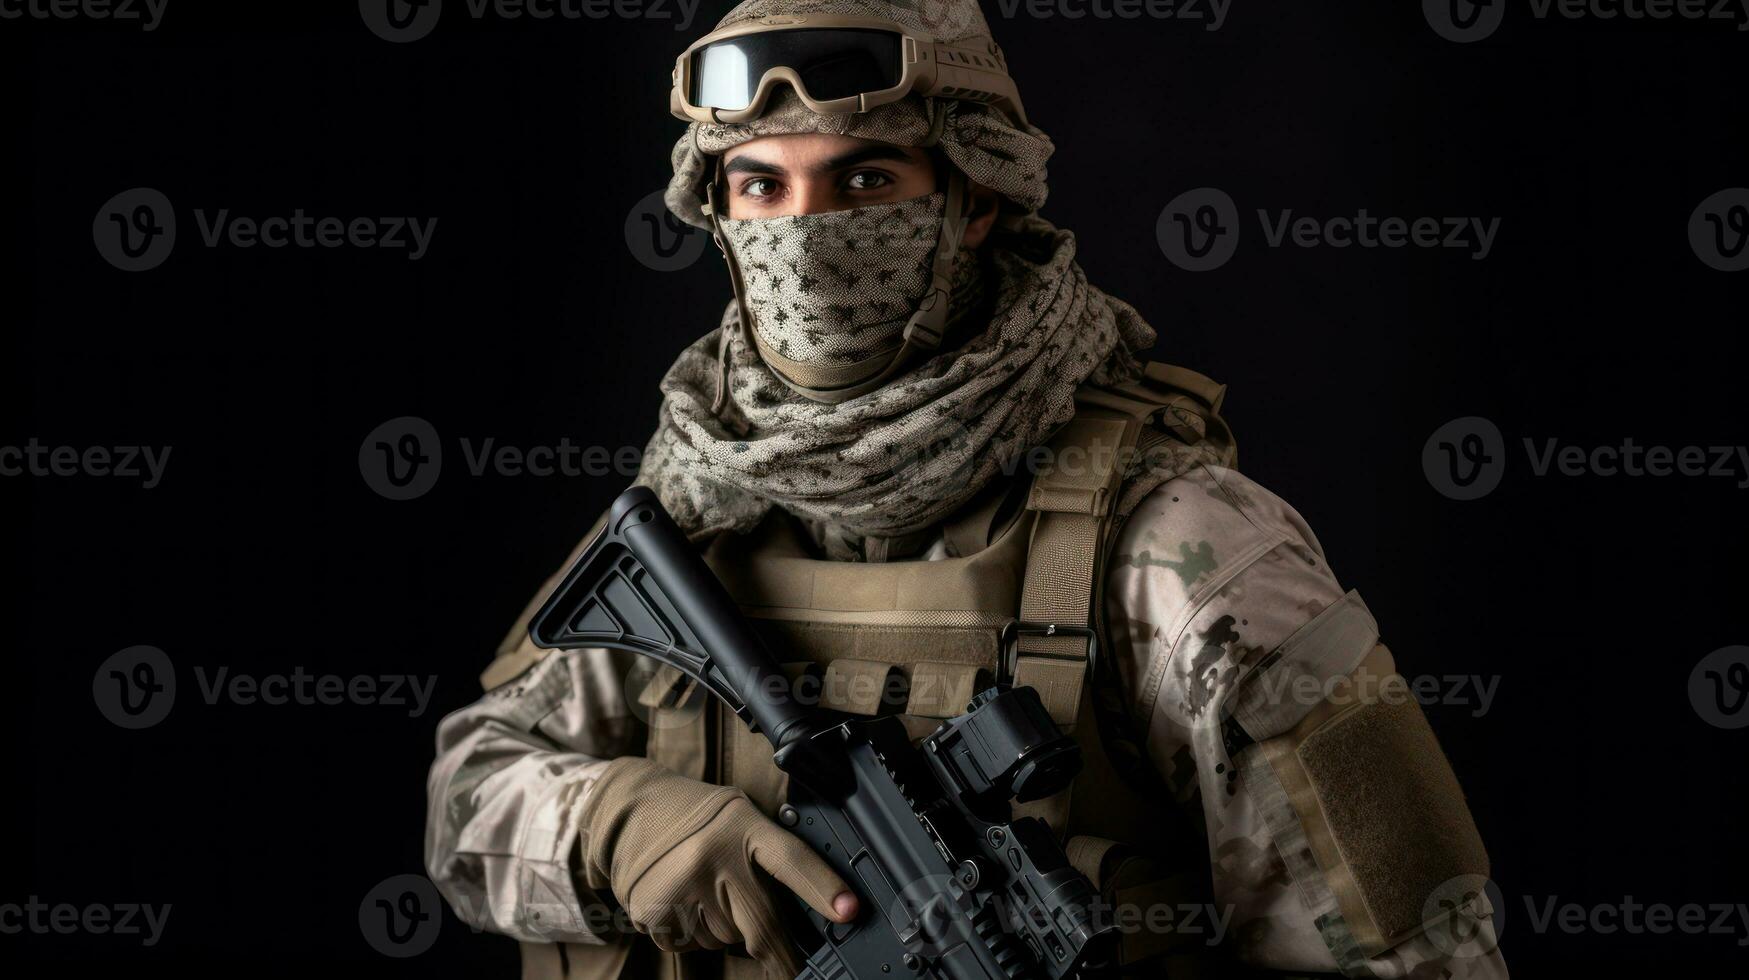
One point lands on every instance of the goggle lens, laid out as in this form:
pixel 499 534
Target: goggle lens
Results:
pixel 833 63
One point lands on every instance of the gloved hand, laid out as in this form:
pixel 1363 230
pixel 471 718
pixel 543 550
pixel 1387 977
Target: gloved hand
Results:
pixel 679 855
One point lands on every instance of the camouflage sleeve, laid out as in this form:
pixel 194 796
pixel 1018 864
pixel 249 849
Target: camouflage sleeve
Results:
pixel 511 775
pixel 1211 574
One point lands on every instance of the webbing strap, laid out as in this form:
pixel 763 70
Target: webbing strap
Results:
pixel 1073 493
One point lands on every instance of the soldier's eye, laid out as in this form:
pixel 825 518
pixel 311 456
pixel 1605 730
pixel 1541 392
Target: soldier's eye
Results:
pixel 759 188
pixel 868 180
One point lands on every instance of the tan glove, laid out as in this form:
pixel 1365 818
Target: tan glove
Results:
pixel 679 855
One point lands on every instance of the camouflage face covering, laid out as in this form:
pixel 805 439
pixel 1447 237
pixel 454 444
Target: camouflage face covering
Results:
pixel 873 476
pixel 835 288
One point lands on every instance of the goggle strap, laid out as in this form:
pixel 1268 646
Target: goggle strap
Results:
pixel 938 110
pixel 722 394
pixel 928 324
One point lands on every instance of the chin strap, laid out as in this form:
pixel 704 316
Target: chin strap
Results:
pixel 922 335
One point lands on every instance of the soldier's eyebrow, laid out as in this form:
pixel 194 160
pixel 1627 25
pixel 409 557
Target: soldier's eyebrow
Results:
pixel 866 154
pixel 750 165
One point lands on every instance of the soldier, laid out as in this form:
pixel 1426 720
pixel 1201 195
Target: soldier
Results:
pixel 918 436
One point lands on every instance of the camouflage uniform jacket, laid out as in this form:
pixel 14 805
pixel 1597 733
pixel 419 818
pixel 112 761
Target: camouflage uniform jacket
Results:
pixel 1210 572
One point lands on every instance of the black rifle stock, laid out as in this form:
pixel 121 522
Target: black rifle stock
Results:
pixel 952 885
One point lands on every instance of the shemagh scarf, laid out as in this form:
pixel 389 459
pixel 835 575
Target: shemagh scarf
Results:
pixel 873 476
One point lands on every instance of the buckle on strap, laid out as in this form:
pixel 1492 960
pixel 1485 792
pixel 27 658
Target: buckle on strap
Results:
pixel 1008 646
pixel 927 326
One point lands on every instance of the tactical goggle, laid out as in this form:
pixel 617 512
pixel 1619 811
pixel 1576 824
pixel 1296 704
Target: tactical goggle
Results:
pixel 834 64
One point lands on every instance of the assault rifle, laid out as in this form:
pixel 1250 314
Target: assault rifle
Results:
pixel 952 885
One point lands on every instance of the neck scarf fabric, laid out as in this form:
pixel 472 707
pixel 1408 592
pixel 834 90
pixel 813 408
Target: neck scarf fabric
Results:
pixel 872 474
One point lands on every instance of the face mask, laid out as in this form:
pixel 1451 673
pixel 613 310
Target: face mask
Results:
pixel 830 294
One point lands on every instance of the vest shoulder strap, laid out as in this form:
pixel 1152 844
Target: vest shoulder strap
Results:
pixel 1079 479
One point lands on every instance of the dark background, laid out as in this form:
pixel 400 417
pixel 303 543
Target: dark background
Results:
pixel 1590 598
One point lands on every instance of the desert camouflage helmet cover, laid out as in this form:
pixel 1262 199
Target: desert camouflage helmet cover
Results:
pixel 982 142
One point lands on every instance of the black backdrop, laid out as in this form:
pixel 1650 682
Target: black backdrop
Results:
pixel 1589 599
